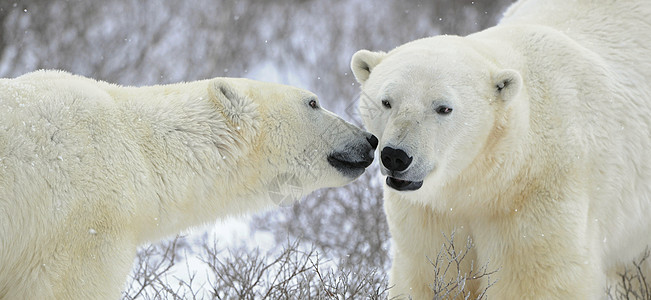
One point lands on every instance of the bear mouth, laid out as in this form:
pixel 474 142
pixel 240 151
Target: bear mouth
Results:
pixel 403 185
pixel 347 166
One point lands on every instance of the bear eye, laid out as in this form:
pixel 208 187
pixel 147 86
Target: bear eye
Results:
pixel 443 110
pixel 313 104
pixel 386 103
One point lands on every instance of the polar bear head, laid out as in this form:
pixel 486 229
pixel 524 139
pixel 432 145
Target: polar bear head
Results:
pixel 295 146
pixel 433 103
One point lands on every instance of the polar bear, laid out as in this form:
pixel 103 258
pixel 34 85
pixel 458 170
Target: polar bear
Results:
pixel 532 137
pixel 90 170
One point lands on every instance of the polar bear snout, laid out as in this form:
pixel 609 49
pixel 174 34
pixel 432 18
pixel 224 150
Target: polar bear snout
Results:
pixel 355 158
pixel 395 159
pixel 373 141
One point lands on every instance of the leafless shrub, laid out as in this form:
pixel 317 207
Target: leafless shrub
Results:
pixel 449 262
pixel 633 283
pixel 243 273
pixel 153 264
pixel 289 273
pixel 248 274
pixel 351 283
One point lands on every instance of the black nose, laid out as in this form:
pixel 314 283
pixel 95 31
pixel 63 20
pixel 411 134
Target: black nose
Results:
pixel 395 159
pixel 373 141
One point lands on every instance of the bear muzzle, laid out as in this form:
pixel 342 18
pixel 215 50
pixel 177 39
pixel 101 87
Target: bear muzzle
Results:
pixel 396 161
pixel 355 158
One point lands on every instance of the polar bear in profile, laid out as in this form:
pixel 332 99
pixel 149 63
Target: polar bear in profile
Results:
pixel 532 137
pixel 90 170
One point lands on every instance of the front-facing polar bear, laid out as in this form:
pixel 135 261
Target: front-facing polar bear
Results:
pixel 90 170
pixel 532 137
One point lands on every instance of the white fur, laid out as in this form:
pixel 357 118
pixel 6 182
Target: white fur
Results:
pixel 550 174
pixel 90 170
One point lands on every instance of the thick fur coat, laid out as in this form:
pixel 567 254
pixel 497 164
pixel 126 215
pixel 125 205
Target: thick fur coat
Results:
pixel 90 170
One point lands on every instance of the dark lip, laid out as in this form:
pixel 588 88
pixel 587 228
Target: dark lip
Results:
pixel 348 168
pixel 403 185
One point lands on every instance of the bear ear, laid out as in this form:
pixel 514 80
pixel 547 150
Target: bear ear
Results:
pixel 238 109
pixel 507 84
pixel 363 63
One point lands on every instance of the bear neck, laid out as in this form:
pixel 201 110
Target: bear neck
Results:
pixel 194 163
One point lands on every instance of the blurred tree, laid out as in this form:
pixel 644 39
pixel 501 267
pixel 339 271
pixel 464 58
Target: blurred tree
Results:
pixel 308 43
